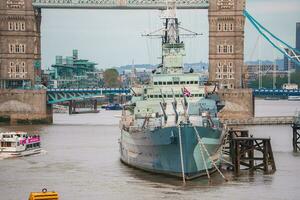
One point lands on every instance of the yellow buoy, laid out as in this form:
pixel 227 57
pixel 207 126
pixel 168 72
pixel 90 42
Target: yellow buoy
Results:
pixel 44 195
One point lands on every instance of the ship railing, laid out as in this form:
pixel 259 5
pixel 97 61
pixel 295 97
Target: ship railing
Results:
pixel 135 129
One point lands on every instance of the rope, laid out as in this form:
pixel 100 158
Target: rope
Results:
pixel 181 155
pixel 203 146
pixel 206 169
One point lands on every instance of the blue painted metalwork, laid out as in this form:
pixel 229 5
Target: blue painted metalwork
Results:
pixel 272 39
pixel 119 4
pixel 276 92
pixel 62 95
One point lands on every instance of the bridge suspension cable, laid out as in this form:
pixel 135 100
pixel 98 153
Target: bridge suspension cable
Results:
pixel 291 53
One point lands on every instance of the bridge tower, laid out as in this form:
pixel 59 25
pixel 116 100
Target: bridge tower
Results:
pixel 20 49
pixel 226 42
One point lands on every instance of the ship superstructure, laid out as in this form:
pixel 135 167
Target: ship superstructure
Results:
pixel 166 124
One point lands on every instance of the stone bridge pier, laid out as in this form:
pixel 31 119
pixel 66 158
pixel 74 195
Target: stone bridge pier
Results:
pixel 24 107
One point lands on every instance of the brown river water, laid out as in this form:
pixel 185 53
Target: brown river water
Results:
pixel 81 161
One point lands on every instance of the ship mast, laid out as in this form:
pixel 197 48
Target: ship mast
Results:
pixel 171 34
pixel 173 50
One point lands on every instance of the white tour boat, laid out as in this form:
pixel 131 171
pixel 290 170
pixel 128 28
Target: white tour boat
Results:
pixel 16 144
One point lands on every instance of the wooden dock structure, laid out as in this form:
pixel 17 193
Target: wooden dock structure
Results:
pixel 296 137
pixel 272 120
pixel 252 153
pixel 249 152
pixel 74 105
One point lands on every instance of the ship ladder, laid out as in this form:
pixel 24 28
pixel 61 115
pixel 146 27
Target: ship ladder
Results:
pixel 209 157
pixel 225 141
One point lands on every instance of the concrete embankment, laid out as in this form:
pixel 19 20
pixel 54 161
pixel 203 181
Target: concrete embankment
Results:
pixel 239 104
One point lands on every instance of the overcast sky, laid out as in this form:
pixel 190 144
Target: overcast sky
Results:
pixel 113 37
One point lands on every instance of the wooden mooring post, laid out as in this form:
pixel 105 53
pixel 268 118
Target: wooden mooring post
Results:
pixel 233 133
pixel 296 137
pixel 249 152
pixel 252 153
pixel 87 103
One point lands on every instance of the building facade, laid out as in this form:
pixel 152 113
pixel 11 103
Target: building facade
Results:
pixel 72 72
pixel 20 50
pixel 288 64
pixel 298 36
pixel 226 42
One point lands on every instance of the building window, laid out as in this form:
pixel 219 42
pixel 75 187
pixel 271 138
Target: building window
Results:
pixel 22 48
pixel 225 26
pixel 10 26
pixel 219 27
pixel 22 26
pixel 17 70
pixel 231 27
pixel 16 26
pixel 224 70
pixel 220 48
pixel 226 49
pixel 17 48
pixel 230 48
pixel 11 48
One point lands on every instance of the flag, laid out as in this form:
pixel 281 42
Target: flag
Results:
pixel 186 92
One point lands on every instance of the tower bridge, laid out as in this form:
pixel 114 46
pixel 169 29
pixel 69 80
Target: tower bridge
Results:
pixel 20 50
pixel 20 54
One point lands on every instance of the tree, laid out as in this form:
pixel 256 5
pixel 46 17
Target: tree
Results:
pixel 111 78
pixel 267 81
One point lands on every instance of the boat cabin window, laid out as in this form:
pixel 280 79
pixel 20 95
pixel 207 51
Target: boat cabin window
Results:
pixel 160 96
pixel 187 82
pixel 196 82
pixel 182 82
pixel 159 83
pixel 176 95
pixel 170 96
pixel 5 144
pixel 151 96
pixel 155 83
pixel 164 83
pixel 169 83
pixel 176 82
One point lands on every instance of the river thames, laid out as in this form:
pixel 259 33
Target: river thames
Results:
pixel 81 161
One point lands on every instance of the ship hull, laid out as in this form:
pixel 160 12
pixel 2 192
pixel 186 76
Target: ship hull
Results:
pixel 159 150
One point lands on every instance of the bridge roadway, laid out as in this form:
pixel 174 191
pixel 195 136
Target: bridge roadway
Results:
pixel 270 120
pixel 62 95
pixel 275 92
pixel 119 4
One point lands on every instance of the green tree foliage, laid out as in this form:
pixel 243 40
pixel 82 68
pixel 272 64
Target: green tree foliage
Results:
pixel 267 81
pixel 111 78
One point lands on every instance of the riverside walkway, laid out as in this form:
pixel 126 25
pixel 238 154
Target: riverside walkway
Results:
pixel 272 120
